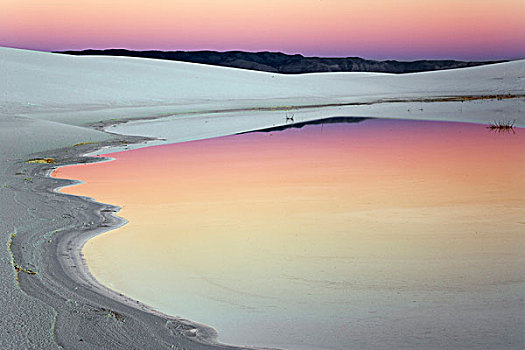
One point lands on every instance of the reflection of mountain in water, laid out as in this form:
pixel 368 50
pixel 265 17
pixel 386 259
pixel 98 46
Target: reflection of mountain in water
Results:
pixel 332 120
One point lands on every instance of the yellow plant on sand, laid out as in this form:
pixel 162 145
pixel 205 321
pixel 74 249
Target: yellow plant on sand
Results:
pixel 82 144
pixel 42 161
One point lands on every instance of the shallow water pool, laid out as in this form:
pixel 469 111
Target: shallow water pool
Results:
pixel 378 234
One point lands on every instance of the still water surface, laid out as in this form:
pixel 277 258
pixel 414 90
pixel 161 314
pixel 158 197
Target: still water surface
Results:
pixel 380 234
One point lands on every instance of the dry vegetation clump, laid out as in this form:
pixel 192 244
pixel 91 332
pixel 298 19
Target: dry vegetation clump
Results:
pixel 42 161
pixel 502 126
pixel 83 143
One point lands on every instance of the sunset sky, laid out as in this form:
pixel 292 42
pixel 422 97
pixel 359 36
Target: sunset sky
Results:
pixel 380 29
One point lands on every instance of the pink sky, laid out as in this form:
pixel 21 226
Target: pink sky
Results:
pixel 402 29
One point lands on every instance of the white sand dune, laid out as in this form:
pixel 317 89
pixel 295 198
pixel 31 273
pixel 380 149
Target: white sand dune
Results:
pixel 82 90
pixel 50 85
pixel 48 101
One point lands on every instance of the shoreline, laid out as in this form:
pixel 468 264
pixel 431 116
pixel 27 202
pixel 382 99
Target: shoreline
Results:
pixel 104 124
pixel 67 273
pixel 61 261
pixel 71 289
pixel 146 309
pixel 60 115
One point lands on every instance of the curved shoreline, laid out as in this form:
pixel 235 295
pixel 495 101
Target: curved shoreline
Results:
pixel 51 104
pixel 88 314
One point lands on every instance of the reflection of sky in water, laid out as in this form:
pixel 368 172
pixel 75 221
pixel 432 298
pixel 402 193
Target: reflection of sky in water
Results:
pixel 384 233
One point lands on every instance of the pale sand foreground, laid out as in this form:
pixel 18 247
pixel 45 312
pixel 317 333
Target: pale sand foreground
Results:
pixel 48 103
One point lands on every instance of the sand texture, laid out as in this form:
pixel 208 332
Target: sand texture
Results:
pixel 55 107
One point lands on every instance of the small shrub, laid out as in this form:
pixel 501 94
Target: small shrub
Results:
pixel 502 126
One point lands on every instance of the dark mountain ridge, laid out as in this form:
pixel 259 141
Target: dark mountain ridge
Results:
pixel 277 62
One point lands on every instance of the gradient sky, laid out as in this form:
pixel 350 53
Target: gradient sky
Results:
pixel 402 29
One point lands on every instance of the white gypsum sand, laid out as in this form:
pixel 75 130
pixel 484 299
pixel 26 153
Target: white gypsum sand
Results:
pixel 51 105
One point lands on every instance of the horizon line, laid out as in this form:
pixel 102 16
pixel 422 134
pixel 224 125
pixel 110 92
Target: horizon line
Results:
pixel 412 59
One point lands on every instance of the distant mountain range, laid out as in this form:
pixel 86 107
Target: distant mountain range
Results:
pixel 277 62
